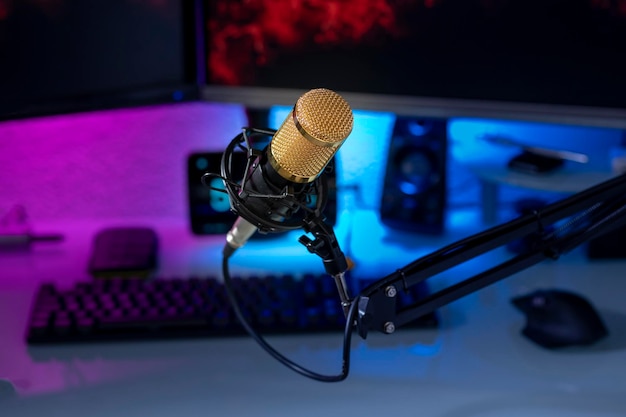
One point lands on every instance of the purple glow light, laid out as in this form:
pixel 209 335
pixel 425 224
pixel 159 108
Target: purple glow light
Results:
pixel 115 163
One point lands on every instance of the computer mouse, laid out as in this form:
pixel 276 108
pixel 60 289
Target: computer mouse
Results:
pixel 558 318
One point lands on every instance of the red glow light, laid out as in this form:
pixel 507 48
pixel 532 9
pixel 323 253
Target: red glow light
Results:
pixel 250 33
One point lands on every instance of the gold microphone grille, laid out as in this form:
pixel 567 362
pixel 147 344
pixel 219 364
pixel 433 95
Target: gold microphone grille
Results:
pixel 310 137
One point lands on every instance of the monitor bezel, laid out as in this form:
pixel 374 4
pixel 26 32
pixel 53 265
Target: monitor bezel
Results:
pixel 194 76
pixel 427 107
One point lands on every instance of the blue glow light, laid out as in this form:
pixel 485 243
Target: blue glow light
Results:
pixel 427 350
pixel 361 165
pixel 219 201
pixel 408 188
pixel 178 95
pixel 419 128
pixel 467 137
pixel 202 164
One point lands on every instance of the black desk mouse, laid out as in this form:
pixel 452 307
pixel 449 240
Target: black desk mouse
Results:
pixel 558 318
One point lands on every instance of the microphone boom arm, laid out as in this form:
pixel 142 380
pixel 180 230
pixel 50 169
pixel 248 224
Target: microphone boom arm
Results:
pixel 269 204
pixel 597 210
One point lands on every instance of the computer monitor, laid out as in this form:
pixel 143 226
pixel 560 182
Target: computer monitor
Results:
pixel 71 55
pixel 557 61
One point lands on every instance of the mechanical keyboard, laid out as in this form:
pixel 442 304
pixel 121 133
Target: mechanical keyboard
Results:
pixel 166 308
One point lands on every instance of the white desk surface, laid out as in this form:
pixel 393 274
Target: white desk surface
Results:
pixel 475 364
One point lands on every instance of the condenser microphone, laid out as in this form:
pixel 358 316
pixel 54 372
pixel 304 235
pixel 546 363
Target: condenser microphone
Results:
pixel 281 179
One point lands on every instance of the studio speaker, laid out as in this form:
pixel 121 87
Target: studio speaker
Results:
pixel 414 188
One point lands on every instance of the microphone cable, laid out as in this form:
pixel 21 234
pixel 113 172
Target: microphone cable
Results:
pixel 347 335
pixel 238 193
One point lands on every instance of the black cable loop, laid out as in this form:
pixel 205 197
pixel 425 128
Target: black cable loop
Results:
pixel 347 336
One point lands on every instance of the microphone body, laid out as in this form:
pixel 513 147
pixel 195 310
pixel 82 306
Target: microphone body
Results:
pixel 296 156
pixel 263 181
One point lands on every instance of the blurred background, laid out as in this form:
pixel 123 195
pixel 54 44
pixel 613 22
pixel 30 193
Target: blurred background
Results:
pixel 467 114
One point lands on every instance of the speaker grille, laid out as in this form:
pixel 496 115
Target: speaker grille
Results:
pixel 309 138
